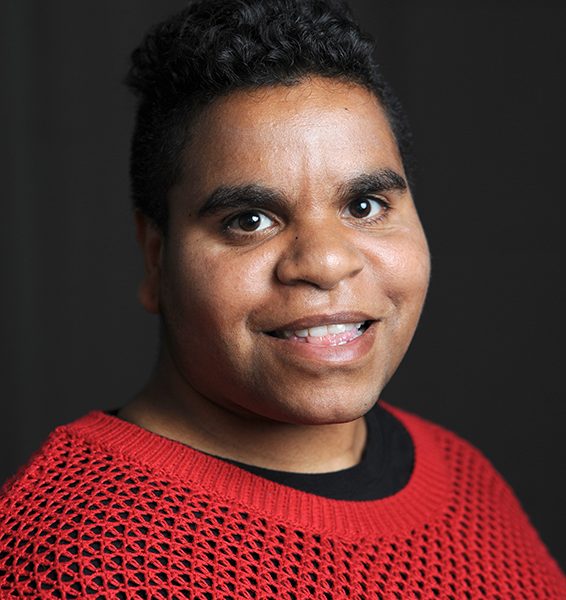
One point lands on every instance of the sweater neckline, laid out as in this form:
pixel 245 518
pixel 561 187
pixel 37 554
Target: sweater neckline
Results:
pixel 422 497
pixel 385 465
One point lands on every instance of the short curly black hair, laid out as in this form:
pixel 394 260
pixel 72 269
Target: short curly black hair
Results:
pixel 214 47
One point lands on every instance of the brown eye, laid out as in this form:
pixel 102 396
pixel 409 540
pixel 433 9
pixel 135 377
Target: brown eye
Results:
pixel 251 221
pixel 362 208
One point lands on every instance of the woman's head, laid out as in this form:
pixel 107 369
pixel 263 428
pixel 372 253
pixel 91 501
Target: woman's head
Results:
pixel 283 249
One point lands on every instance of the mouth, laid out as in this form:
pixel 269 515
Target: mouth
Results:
pixel 332 334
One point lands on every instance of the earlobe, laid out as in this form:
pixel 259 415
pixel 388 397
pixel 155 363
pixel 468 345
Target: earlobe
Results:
pixel 150 240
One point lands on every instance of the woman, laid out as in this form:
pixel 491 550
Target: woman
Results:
pixel 286 260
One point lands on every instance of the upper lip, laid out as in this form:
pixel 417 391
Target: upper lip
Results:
pixel 325 319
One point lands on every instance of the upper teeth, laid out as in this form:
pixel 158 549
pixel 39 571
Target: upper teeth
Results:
pixel 322 330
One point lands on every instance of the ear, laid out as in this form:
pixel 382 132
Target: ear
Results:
pixel 150 240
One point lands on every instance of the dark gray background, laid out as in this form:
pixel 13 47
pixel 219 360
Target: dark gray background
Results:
pixel 483 84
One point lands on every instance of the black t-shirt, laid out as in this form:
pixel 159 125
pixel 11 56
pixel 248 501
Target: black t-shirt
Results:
pixel 384 469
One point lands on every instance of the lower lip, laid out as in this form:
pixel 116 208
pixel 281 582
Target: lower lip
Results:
pixel 341 354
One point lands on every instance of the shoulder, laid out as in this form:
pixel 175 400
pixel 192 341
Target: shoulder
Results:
pixel 68 468
pixel 479 496
pixel 451 443
pixel 470 472
pixel 63 455
pixel 56 511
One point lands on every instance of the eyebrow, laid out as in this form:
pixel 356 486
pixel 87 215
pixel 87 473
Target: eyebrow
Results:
pixel 244 197
pixel 377 182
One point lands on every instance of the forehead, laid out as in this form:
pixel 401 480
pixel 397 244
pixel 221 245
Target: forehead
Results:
pixel 319 132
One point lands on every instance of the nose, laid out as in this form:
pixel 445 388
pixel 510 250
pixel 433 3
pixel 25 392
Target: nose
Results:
pixel 321 256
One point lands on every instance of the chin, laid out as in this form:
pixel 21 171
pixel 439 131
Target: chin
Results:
pixel 320 407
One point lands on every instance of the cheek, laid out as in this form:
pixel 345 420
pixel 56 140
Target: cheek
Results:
pixel 217 289
pixel 405 271
pixel 404 278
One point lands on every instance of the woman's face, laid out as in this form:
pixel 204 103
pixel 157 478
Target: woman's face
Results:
pixel 295 266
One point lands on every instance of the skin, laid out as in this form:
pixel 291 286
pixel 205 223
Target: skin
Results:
pixel 222 383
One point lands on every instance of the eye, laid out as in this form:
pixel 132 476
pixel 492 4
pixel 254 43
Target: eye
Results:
pixel 250 221
pixel 365 207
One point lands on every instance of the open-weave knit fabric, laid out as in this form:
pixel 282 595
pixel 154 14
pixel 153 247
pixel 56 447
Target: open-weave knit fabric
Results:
pixel 108 510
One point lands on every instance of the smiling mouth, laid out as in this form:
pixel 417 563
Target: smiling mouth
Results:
pixel 335 334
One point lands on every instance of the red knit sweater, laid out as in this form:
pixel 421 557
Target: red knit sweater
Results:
pixel 108 510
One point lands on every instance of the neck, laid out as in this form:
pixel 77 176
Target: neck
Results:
pixel 168 407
